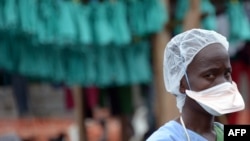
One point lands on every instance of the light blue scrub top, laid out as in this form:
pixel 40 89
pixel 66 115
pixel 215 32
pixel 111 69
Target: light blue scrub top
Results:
pixel 174 131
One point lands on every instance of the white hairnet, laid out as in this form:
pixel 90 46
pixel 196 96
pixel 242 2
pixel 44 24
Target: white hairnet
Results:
pixel 180 52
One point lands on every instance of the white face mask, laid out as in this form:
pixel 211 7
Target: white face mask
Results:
pixel 220 99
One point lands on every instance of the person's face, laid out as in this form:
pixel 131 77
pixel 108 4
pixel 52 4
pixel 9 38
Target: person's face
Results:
pixel 210 67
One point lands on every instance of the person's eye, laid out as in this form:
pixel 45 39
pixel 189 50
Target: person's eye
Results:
pixel 228 74
pixel 210 76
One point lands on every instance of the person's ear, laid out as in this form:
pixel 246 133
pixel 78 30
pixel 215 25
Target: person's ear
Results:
pixel 182 86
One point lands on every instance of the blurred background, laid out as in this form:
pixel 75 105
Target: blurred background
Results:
pixel 91 70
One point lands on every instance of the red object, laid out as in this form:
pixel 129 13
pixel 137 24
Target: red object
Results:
pixel 69 98
pixel 92 96
pixel 239 68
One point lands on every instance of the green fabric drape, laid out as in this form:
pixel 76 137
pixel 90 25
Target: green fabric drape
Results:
pixel 85 44
pixel 239 23
pixel 206 8
pixel 209 21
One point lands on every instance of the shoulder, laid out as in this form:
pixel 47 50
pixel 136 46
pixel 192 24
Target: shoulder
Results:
pixel 170 131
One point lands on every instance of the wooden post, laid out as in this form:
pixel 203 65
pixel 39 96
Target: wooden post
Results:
pixel 165 103
pixel 79 112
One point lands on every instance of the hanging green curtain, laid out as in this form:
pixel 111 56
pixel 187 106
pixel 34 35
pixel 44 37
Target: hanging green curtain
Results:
pixel 103 66
pixel 90 65
pixel 6 60
pixel 156 15
pixel 118 67
pixel 66 30
pixel 207 9
pixel 142 66
pixel 102 30
pixel 81 15
pixel 179 15
pixel 137 62
pixel 85 44
pixel 117 18
pixel 59 69
pixel 209 21
pixel 75 67
pixel 136 18
pixel 2 15
pixel 34 62
pixel 239 24
pixel 10 15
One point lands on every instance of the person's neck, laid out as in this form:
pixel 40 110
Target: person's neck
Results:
pixel 198 122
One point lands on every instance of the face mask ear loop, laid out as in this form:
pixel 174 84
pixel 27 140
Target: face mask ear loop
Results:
pixel 187 80
pixel 185 129
pixel 182 122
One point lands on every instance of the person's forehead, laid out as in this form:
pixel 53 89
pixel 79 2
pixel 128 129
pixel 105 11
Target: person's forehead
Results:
pixel 212 54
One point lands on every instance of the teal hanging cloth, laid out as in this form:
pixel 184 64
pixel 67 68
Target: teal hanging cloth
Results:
pixel 117 16
pixel 35 62
pixel 239 24
pixel 52 15
pixel 42 19
pixel 27 14
pixel 81 13
pixel 14 45
pixel 32 61
pixel 44 24
pixel 75 68
pixel 102 31
pixel 137 58
pixel 6 60
pixel 66 31
pixel 48 12
pixel 156 15
pixel 209 21
pixel 136 18
pixel 128 54
pixel 104 76
pixel 90 62
pixel 11 17
pixel 44 61
pixel 59 74
pixel 142 65
pixel 2 15
pixel 180 14
pixel 118 69
pixel 27 58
